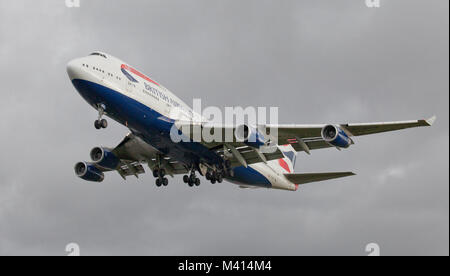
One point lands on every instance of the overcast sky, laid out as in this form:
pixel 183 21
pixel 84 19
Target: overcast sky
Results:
pixel 318 61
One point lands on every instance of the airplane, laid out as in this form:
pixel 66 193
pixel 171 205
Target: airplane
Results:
pixel 124 94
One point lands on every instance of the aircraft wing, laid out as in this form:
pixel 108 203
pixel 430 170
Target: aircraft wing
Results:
pixel 304 178
pixel 301 137
pixel 313 132
pixel 308 137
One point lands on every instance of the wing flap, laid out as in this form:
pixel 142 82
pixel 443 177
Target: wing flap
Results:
pixel 128 169
pixel 251 156
pixel 304 178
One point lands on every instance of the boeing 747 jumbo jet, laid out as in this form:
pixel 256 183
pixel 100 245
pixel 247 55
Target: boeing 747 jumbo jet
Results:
pixel 146 108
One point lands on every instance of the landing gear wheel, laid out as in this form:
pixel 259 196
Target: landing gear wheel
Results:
pixel 165 181
pixel 103 123
pixel 197 182
pixel 155 173
pixel 97 124
pixel 190 183
pixel 219 178
pixel 213 178
pixel 208 176
pixel 158 182
pixel 159 173
pixel 185 179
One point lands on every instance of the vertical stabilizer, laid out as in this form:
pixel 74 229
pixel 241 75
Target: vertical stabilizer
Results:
pixel 290 156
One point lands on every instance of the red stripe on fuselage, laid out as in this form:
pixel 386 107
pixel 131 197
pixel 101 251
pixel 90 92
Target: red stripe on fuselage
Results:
pixel 136 72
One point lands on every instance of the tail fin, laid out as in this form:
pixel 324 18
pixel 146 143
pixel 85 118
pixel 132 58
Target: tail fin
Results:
pixel 290 157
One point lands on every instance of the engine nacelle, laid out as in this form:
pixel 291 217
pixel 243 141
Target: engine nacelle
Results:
pixel 336 136
pixel 88 172
pixel 104 158
pixel 249 136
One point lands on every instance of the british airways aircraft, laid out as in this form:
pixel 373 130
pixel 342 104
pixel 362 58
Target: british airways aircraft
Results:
pixel 119 91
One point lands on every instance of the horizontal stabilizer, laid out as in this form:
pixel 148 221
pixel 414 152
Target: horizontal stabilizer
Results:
pixel 303 178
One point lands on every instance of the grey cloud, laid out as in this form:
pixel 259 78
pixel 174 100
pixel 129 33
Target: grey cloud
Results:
pixel 319 61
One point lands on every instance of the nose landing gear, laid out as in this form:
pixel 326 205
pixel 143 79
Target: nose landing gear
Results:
pixel 101 123
pixel 98 124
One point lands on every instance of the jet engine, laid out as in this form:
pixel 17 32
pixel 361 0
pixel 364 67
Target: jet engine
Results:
pixel 104 158
pixel 336 136
pixel 88 172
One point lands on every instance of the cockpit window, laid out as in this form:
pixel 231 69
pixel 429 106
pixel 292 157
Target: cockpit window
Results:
pixel 98 54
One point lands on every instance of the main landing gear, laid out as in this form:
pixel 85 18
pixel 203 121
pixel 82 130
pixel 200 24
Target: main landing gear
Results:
pixel 218 174
pixel 192 180
pixel 100 123
pixel 161 180
pixel 214 176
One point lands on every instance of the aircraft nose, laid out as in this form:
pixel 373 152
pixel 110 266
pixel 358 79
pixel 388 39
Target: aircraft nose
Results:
pixel 74 69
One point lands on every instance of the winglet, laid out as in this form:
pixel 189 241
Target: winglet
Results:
pixel 431 121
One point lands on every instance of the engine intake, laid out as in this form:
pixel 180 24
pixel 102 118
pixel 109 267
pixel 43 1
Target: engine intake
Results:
pixel 336 136
pixel 249 136
pixel 88 172
pixel 104 158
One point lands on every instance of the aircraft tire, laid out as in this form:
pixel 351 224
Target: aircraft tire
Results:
pixel 103 123
pixel 208 176
pixel 97 124
pixel 165 181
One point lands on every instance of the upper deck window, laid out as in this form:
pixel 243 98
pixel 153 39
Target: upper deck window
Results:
pixel 98 54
